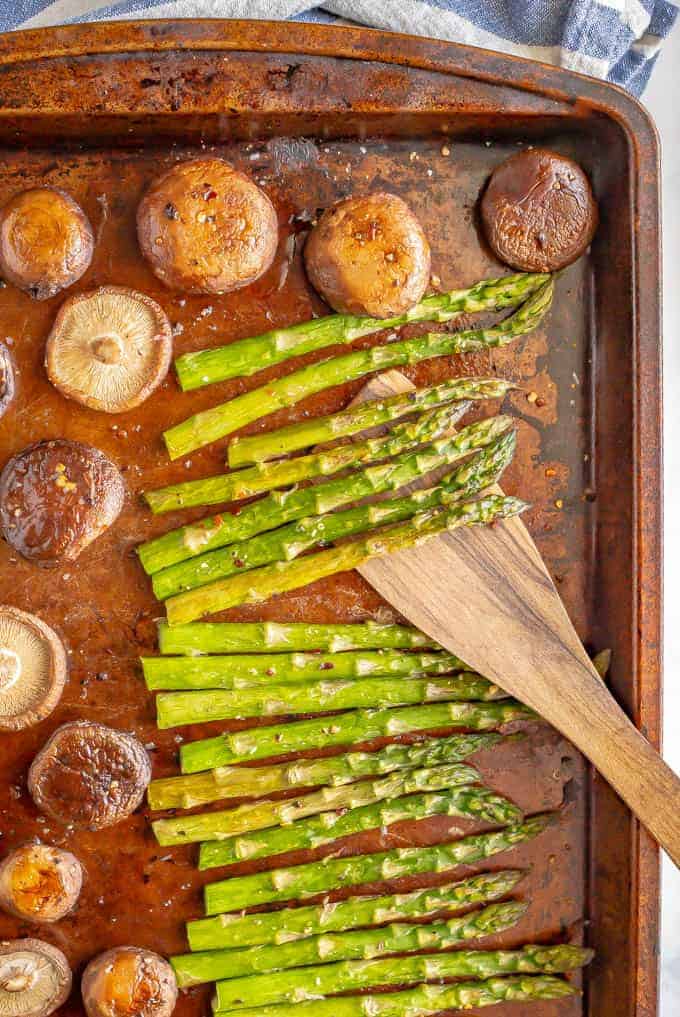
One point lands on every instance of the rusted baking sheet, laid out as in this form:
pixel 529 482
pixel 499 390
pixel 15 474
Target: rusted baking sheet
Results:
pixel 316 113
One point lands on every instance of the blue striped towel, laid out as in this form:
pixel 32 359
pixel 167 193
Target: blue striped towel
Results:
pixel 614 39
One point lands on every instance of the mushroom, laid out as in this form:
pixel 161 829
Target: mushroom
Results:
pixel 40 883
pixel 109 348
pixel 129 982
pixel 46 241
pixel 56 497
pixel 32 669
pixel 206 228
pixel 7 382
pixel 35 978
pixel 88 775
pixel 538 211
pixel 369 255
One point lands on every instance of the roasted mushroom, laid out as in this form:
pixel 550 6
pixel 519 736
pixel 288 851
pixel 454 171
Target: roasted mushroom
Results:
pixel 369 256
pixel 35 978
pixel 88 775
pixel 109 348
pixel 32 669
pixel 129 982
pixel 7 383
pixel 46 241
pixel 206 228
pixel 40 883
pixel 56 497
pixel 538 211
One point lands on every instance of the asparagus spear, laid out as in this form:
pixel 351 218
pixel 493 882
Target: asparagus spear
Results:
pixel 281 507
pixel 301 881
pixel 260 448
pixel 226 932
pixel 465 802
pixel 349 728
pixel 258 585
pixel 194 968
pixel 209 425
pixel 323 980
pixel 186 792
pixel 275 637
pixel 260 815
pixel 290 541
pixel 247 356
pixel 267 476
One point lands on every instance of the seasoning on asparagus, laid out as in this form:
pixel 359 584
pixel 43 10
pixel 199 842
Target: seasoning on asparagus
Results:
pixel 330 874
pixel 188 791
pixel 215 423
pixel 247 356
pixel 284 506
pixel 288 542
pixel 258 585
pixel 349 728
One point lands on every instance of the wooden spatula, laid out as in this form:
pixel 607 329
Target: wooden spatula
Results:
pixel 485 594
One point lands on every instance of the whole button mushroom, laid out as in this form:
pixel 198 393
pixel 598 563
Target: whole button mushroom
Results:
pixel 129 982
pixel 56 497
pixel 35 978
pixel 206 228
pixel 369 255
pixel 538 211
pixel 46 241
pixel 33 669
pixel 40 883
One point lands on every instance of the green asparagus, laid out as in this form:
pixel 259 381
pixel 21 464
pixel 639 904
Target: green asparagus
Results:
pixel 349 728
pixel 275 637
pixel 332 874
pixel 226 932
pixel 247 356
pixel 284 506
pixel 260 448
pixel 258 585
pixel 186 792
pixel 195 968
pixel 215 423
pixel 323 980
pixel 262 477
pixel 204 826
pixel 465 802
pixel 290 541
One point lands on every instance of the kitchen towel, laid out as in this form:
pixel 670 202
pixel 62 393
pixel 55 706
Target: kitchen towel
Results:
pixel 614 39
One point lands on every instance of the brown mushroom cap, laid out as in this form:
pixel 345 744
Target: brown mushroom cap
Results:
pixel 369 256
pixel 56 497
pixel 35 978
pixel 33 669
pixel 46 241
pixel 538 211
pixel 109 348
pixel 7 381
pixel 206 228
pixel 89 776
pixel 129 982
pixel 40 883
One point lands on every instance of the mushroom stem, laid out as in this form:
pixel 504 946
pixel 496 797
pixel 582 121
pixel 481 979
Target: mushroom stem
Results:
pixel 108 349
pixel 10 668
pixel 15 980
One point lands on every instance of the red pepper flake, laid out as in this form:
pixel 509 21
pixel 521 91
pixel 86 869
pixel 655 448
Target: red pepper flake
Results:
pixel 210 195
pixel 270 671
pixel 239 563
pixel 326 666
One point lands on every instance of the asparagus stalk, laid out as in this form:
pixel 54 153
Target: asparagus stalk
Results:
pixel 260 815
pixel 323 980
pixel 226 932
pixel 260 448
pixel 258 585
pixel 282 507
pixel 465 802
pixel 275 637
pixel 195 968
pixel 243 671
pixel 290 541
pixel 186 792
pixel 247 356
pixel 215 423
pixel 267 476
pixel 330 874
pixel 349 728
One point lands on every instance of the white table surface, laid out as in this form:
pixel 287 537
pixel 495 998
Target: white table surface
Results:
pixel 662 98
